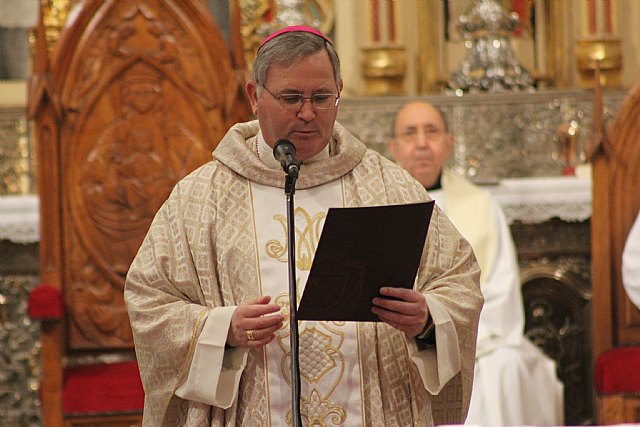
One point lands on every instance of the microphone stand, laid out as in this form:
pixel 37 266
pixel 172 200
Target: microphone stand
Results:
pixel 289 189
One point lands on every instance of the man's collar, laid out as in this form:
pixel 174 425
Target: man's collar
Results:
pixel 266 153
pixel 437 185
pixel 237 151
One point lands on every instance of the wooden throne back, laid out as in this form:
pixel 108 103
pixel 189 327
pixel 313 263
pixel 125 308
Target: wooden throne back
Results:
pixel 135 96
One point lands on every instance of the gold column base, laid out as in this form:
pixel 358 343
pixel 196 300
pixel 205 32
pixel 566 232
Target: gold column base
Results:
pixel 608 53
pixel 384 70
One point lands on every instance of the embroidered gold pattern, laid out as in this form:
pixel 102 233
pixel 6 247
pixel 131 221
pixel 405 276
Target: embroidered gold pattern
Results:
pixel 283 301
pixel 317 410
pixel 322 367
pixel 322 364
pixel 320 358
pixel 307 237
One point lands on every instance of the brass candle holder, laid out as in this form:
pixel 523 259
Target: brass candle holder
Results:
pixel 606 51
pixel 384 69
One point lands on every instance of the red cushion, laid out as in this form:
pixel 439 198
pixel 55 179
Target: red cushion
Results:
pixel 45 303
pixel 618 371
pixel 114 387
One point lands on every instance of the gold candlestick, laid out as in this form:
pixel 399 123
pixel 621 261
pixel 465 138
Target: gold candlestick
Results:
pixel 384 69
pixel 606 51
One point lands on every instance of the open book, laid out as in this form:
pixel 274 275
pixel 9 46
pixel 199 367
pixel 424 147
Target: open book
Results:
pixel 360 251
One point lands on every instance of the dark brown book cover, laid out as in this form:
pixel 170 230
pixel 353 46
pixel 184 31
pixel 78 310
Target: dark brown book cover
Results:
pixel 361 250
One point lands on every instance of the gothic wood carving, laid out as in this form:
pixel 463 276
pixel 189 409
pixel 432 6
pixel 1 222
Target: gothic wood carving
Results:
pixel 146 91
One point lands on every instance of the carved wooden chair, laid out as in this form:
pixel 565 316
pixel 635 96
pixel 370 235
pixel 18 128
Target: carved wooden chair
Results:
pixel 135 95
pixel 557 306
pixel 616 321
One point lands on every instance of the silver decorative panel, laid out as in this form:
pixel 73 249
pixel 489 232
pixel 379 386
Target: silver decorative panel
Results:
pixel 505 135
pixel 19 353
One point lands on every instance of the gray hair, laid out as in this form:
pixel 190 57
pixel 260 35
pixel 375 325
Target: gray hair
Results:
pixel 289 48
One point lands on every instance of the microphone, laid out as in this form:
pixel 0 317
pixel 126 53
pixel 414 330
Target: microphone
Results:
pixel 285 152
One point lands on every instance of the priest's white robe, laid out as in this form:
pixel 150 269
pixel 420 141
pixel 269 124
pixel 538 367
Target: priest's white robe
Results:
pixel 214 245
pixel 515 383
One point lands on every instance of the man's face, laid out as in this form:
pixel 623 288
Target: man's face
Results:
pixel 421 144
pixel 308 128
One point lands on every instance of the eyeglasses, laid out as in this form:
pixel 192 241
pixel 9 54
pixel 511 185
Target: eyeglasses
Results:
pixel 412 134
pixel 294 101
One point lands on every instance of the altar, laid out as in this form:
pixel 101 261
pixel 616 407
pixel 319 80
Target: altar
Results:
pixel 536 200
pixel 524 200
pixel 19 273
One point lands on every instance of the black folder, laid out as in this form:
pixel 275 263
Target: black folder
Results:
pixel 360 251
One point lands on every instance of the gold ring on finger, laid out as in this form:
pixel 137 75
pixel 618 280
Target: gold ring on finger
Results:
pixel 250 335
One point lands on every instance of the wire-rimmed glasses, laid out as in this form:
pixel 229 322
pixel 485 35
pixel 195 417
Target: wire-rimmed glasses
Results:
pixel 294 101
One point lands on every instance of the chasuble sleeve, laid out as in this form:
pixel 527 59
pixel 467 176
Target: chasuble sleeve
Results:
pixel 167 307
pixel 437 365
pixel 449 278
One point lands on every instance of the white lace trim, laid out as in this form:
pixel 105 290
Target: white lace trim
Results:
pixel 536 200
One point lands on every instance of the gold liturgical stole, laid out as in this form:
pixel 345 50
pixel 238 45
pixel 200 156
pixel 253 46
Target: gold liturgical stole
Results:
pixel 330 373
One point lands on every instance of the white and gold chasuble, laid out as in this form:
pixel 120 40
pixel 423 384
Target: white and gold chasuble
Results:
pixel 220 240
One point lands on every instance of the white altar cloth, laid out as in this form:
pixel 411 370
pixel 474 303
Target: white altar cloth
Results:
pixel 19 219
pixel 536 200
pixel 529 200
